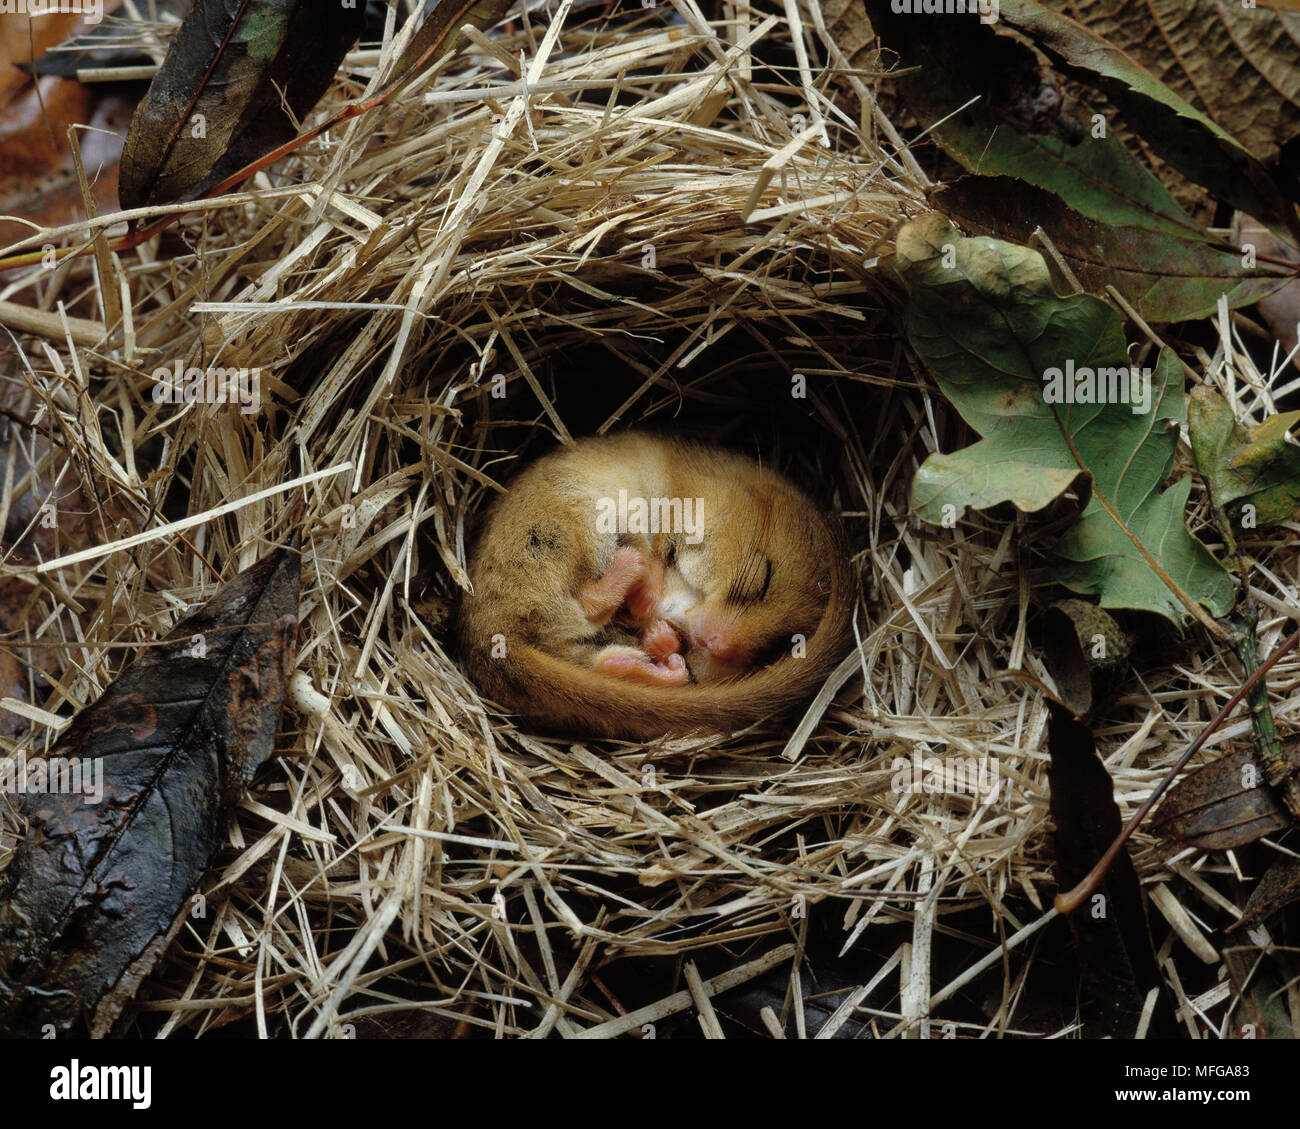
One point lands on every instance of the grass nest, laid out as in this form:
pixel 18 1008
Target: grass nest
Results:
pixel 652 221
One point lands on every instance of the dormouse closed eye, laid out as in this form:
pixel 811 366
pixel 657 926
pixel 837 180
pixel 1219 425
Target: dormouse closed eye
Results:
pixel 752 583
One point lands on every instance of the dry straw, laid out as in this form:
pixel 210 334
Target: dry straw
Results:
pixel 651 219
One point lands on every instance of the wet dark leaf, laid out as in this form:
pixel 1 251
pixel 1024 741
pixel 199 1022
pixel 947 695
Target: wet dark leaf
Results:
pixel 1190 141
pixel 1085 650
pixel 96 890
pixel 1265 1010
pixel 110 45
pixel 1222 805
pixel 1262 1012
pixel 985 97
pixel 1116 958
pixel 1279 888
pixel 238 78
pixel 1234 62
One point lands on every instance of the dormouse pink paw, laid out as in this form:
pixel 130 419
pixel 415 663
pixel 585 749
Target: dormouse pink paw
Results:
pixel 638 668
pixel 661 640
pixel 643 596
pixel 602 597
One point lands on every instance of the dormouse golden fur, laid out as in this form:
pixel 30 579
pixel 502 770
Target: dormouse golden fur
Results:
pixel 636 586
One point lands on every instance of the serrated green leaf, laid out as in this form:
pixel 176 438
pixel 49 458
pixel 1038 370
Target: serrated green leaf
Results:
pixel 983 317
pixel 986 100
pixel 1043 160
pixel 1191 142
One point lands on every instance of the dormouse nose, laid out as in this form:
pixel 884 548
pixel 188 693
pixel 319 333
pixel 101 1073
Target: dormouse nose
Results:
pixel 716 634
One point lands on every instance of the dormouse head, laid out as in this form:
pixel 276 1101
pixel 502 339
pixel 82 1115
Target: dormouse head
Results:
pixel 752 584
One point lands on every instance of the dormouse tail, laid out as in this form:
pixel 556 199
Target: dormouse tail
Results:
pixel 568 696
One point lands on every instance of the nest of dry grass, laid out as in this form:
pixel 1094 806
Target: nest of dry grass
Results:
pixel 672 223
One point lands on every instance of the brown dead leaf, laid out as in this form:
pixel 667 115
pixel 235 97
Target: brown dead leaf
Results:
pixel 1224 804
pixel 1279 888
pixel 38 179
pixel 850 29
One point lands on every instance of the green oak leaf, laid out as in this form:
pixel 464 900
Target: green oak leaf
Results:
pixel 999 341
pixel 1245 467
